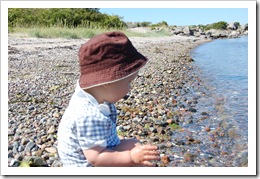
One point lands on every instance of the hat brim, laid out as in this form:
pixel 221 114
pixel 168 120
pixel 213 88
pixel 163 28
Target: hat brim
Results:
pixel 113 73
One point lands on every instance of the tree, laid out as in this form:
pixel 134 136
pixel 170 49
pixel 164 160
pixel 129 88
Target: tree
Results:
pixel 217 25
pixel 64 17
pixel 220 25
pixel 164 23
pixel 237 24
pixel 145 24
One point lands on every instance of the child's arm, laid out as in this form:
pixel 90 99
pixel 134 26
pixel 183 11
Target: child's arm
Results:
pixel 140 155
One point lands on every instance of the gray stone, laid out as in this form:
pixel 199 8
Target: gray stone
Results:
pixel 20 148
pixel 36 161
pixel 187 30
pixel 29 146
pixel 14 163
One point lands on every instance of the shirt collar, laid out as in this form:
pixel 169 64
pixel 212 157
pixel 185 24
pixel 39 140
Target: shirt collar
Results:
pixel 104 107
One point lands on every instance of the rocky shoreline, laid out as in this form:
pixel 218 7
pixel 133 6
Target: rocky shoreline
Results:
pixel 42 74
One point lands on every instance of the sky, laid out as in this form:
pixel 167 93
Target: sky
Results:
pixel 180 16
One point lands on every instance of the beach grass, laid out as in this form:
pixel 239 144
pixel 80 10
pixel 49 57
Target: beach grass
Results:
pixel 77 33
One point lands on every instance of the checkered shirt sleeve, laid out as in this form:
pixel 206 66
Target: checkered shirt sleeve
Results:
pixel 98 129
pixel 84 126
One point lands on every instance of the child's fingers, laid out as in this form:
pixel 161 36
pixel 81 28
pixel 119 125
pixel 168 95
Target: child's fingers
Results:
pixel 148 164
pixel 150 147
pixel 152 152
pixel 151 157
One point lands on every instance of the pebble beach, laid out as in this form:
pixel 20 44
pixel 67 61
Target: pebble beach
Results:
pixel 162 107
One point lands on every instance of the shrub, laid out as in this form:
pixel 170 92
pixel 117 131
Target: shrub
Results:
pixel 62 17
pixel 221 25
pixel 237 24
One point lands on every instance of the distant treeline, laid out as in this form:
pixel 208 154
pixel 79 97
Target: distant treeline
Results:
pixel 82 17
pixel 217 25
pixel 62 17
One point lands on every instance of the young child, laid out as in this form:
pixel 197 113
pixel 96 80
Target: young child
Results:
pixel 87 133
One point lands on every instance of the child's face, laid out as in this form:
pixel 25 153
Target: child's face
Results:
pixel 117 90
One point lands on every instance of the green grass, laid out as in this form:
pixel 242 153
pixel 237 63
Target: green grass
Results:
pixel 56 32
pixel 174 126
pixel 76 33
pixel 120 133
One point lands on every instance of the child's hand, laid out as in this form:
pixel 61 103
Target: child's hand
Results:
pixel 143 154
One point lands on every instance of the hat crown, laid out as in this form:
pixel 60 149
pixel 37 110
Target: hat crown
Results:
pixel 112 45
pixel 110 54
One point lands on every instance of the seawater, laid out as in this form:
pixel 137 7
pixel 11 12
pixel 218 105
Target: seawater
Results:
pixel 221 94
pixel 224 63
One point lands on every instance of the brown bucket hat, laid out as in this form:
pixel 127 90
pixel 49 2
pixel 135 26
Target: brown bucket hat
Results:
pixel 107 58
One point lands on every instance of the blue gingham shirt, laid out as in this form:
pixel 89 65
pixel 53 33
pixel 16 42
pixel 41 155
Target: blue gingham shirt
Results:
pixel 85 124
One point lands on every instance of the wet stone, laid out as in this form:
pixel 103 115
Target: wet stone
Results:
pixel 192 110
pixel 165 159
pixel 179 142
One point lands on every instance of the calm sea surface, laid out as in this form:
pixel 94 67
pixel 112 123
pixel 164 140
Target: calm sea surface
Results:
pixel 224 63
pixel 222 96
